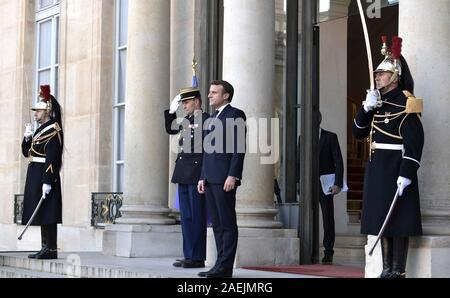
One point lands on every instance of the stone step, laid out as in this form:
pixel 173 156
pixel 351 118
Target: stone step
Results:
pixel 97 265
pixel 350 241
pixel 69 266
pixel 349 250
pixel 9 272
pixel 356 195
pixel 349 257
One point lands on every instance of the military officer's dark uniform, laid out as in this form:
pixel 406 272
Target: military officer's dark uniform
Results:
pixel 186 174
pixel 44 152
pixel 396 138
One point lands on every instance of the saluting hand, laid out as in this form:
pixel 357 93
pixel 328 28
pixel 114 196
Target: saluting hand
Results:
pixel 229 184
pixel 174 104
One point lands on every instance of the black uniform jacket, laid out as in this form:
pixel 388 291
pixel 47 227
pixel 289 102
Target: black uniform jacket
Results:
pixel 188 164
pixel 44 152
pixel 390 125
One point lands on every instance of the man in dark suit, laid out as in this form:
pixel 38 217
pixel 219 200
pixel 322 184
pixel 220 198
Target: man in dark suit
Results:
pixel 223 162
pixel 330 163
pixel 187 170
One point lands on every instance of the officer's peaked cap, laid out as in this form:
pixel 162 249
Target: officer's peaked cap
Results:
pixel 189 93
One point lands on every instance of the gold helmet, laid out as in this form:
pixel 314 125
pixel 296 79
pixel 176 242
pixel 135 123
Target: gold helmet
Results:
pixel 391 62
pixel 45 102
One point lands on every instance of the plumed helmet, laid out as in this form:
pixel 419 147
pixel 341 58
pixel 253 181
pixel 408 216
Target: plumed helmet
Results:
pixel 49 103
pixel 45 99
pixel 392 62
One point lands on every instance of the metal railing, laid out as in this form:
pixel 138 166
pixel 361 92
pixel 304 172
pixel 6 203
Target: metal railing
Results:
pixel 18 208
pixel 105 208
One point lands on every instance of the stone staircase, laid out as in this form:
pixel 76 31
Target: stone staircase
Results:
pixel 67 266
pixel 97 265
pixel 355 179
pixel 9 272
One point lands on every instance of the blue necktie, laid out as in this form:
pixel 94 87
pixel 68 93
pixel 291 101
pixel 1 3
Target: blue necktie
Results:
pixel 213 119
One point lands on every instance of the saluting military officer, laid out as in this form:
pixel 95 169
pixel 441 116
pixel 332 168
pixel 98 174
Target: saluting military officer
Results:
pixel 187 172
pixel 391 119
pixel 44 149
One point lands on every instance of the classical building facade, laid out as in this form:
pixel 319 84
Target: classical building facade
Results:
pixel 115 65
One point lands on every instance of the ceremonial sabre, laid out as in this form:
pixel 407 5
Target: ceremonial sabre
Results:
pixel 27 94
pixel 388 216
pixel 369 51
pixel 32 216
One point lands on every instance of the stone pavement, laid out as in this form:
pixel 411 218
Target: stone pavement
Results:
pixel 97 265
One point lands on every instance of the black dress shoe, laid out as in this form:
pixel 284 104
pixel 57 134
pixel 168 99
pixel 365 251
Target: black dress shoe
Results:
pixel 179 263
pixel 33 256
pixel 193 264
pixel 385 274
pixel 397 274
pixel 327 259
pixel 204 273
pixel 220 273
pixel 47 254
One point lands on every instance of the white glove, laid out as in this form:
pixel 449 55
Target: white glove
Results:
pixel 175 104
pixel 402 183
pixel 372 98
pixel 28 131
pixel 46 188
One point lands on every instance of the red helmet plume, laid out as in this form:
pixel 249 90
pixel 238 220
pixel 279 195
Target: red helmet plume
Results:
pixel 45 92
pixel 396 48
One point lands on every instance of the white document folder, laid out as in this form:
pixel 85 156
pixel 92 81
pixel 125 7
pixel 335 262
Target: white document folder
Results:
pixel 327 181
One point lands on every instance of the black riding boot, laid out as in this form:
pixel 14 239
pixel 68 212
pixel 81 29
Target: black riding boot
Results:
pixel 399 257
pixel 387 248
pixel 50 251
pixel 44 243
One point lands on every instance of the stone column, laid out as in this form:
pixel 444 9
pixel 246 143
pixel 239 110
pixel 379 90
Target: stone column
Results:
pixel 426 46
pixel 248 64
pixel 141 231
pixel 181 54
pixel 425 29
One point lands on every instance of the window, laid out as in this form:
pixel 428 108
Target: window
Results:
pixel 44 4
pixel 120 59
pixel 47 44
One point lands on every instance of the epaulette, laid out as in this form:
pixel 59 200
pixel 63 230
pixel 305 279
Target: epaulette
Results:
pixel 413 104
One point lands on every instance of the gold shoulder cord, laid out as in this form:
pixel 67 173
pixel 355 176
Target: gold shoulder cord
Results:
pixel 413 106
pixel 45 139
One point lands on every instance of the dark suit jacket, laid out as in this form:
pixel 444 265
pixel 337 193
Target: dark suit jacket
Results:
pixel 228 157
pixel 331 157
